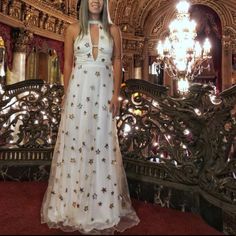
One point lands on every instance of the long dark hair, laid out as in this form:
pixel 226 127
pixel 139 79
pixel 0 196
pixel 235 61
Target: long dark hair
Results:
pixel 84 17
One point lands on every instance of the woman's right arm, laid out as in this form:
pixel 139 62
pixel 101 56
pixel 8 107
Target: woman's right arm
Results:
pixel 68 55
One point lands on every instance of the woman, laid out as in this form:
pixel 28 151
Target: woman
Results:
pixel 87 188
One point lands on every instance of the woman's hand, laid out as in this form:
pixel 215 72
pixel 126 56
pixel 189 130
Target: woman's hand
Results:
pixel 115 106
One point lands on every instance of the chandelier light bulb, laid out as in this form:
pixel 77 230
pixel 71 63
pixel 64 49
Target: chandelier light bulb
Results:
pixel 198 50
pixel 160 48
pixel 207 46
pixel 173 26
pixel 193 25
pixel 183 7
pixel 167 46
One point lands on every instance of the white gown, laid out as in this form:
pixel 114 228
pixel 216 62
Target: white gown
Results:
pixel 87 189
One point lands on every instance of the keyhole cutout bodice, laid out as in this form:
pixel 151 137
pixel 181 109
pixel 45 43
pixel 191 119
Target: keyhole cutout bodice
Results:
pixel 94 34
pixel 94 47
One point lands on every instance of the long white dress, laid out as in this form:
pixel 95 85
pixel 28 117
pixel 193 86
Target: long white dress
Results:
pixel 87 189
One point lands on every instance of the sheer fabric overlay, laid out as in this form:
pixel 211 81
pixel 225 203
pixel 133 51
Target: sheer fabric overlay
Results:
pixel 87 189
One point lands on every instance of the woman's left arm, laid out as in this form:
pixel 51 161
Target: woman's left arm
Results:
pixel 117 68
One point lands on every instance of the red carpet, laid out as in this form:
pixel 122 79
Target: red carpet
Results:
pixel 20 207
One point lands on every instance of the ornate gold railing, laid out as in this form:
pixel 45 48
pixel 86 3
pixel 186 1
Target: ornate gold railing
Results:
pixel 171 144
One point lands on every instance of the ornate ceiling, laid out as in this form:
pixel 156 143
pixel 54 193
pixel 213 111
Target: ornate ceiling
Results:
pixel 147 17
pixel 139 20
pixel 150 18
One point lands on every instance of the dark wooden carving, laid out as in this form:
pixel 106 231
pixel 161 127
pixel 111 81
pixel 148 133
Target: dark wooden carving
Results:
pixel 178 144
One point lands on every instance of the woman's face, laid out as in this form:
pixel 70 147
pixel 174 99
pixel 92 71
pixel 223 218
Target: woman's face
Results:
pixel 95 6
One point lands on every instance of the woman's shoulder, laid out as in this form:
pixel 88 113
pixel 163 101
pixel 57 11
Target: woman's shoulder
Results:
pixel 73 28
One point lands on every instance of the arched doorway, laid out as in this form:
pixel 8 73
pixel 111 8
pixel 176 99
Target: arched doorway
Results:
pixel 209 26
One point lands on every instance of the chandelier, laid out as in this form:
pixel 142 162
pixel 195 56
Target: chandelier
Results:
pixel 183 57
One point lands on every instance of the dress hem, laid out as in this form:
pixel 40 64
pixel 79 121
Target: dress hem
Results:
pixel 109 228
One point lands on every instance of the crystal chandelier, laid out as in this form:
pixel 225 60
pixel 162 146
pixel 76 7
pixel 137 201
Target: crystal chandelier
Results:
pixel 181 55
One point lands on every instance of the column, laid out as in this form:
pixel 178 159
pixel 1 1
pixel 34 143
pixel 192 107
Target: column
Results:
pixel 145 61
pixel 138 67
pixel 21 38
pixel 226 62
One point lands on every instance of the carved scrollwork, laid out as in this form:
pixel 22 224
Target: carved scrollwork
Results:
pixel 30 114
pixel 22 38
pixel 191 141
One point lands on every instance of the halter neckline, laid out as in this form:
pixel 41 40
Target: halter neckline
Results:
pixel 95 22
